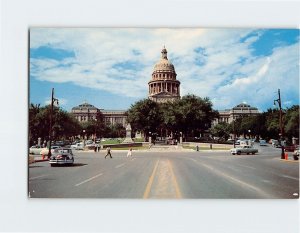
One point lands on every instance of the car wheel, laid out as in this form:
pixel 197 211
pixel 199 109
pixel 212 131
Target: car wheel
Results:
pixel 238 152
pixel 253 153
pixel 247 153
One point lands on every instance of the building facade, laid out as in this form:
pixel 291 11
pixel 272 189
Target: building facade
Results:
pixel 163 86
pixel 241 110
pixel 85 112
pixel 112 117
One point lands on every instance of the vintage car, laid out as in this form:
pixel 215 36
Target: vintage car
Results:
pixel 245 149
pixel 262 142
pixel 61 156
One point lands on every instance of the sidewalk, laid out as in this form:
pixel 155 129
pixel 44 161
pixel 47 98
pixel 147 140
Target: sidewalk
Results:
pixel 37 158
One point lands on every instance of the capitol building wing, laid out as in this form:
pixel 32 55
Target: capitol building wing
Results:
pixel 86 112
pixel 163 86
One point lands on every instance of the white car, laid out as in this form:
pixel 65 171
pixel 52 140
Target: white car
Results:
pixel 77 146
pixel 45 151
pixel 245 149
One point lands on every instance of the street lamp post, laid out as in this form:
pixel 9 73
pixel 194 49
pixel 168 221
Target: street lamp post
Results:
pixel 233 128
pixel 53 100
pixel 83 136
pixel 280 123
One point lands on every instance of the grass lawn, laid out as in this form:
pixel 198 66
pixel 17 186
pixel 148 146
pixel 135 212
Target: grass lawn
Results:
pixel 205 148
pixel 118 141
pixel 111 141
pixel 133 148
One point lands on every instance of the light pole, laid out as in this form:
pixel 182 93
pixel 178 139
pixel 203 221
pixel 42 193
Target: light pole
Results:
pixel 233 128
pixel 83 136
pixel 53 100
pixel 280 123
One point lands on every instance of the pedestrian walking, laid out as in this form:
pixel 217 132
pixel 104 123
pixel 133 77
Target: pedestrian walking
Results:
pixel 98 147
pixel 129 153
pixel 108 152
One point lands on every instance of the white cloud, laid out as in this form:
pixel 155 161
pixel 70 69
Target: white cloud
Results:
pixel 221 76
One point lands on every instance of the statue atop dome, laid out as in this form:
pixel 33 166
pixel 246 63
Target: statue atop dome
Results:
pixel 164 53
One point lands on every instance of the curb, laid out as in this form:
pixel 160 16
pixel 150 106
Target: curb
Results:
pixel 289 161
pixel 41 160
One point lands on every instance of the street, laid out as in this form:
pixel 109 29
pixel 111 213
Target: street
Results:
pixel 168 174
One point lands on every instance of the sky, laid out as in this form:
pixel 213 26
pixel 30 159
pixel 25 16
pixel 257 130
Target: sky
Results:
pixel 110 67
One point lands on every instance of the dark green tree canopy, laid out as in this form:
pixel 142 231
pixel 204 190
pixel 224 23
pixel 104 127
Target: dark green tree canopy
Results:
pixel 145 115
pixel 188 115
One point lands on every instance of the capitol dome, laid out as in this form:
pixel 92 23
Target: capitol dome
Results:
pixel 163 85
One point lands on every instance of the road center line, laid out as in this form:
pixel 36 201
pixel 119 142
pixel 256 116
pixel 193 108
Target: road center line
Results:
pixel 149 184
pixel 120 165
pixel 89 179
pixel 178 193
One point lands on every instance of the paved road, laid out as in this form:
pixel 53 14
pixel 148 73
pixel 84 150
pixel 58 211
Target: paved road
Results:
pixel 166 175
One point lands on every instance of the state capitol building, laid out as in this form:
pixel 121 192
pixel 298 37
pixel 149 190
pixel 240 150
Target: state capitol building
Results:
pixel 163 87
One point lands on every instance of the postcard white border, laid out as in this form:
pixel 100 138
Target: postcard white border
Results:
pixel 18 213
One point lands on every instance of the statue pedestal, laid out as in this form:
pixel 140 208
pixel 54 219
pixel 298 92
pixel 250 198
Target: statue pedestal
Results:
pixel 128 138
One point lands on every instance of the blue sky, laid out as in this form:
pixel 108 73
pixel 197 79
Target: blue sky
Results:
pixel 111 67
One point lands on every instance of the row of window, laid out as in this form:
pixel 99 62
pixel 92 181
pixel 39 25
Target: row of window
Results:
pixel 171 76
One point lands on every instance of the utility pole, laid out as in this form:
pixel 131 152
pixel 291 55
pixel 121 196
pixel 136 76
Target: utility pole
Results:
pixel 233 128
pixel 280 123
pixel 50 127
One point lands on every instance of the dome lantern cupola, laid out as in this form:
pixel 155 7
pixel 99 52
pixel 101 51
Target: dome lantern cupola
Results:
pixel 164 53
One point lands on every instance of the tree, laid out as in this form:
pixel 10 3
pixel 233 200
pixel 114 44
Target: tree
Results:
pixel 95 126
pixel 221 130
pixel 194 114
pixel 64 124
pixel 292 122
pixel 145 116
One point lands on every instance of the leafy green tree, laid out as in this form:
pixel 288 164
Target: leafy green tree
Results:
pixel 95 126
pixel 292 122
pixel 64 125
pixel 221 130
pixel 194 114
pixel 145 116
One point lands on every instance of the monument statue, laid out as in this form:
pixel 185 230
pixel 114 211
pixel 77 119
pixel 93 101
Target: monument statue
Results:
pixel 128 138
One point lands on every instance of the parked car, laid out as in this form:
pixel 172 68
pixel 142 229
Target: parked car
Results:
pixel 262 142
pixel 61 156
pixel 45 151
pixel 77 146
pixel 245 149
pixel 35 149
pixel 296 153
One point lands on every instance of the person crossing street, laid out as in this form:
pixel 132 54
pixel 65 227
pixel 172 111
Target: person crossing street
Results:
pixel 108 152
pixel 129 153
